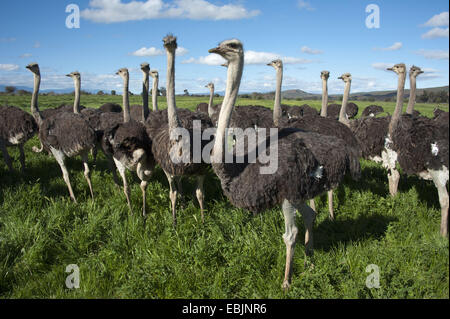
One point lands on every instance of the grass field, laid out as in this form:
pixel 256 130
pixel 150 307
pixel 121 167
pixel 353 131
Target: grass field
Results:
pixel 231 255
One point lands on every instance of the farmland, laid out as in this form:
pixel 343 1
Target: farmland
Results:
pixel 231 255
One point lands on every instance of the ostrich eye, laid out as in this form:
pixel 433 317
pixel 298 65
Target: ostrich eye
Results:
pixel 233 45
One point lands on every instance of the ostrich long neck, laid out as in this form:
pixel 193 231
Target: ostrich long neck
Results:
pixel 210 104
pixel 145 89
pixel 34 99
pixel 412 94
pixel 343 113
pixel 277 105
pixel 171 106
pixel 323 111
pixel 76 103
pixel 399 105
pixel 155 93
pixel 126 101
pixel 234 75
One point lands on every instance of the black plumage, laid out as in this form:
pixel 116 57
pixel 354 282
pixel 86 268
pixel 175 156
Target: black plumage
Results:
pixel 302 111
pixel 111 107
pixel 16 128
pixel 334 109
pixel 371 134
pixel 248 116
pixel 372 110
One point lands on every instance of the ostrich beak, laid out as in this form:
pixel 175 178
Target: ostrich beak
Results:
pixel 217 50
pixel 390 69
pixel 69 75
pixel 340 78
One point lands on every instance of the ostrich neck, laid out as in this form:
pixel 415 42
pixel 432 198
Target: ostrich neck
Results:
pixel 145 89
pixel 343 113
pixel 155 94
pixel 234 74
pixel 126 101
pixel 210 104
pixel 412 94
pixel 171 106
pixel 76 103
pixel 34 99
pixel 399 106
pixel 277 104
pixel 323 111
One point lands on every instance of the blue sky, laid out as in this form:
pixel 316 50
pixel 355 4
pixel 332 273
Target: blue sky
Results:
pixel 309 35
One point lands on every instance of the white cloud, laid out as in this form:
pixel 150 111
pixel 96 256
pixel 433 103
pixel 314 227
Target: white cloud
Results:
pixel 251 57
pixel 433 54
pixel 8 67
pixel 382 65
pixel 308 50
pixel 148 52
pixel 396 46
pixel 181 51
pixel 7 39
pixel 436 33
pixel 212 59
pixel 305 5
pixel 25 55
pixel 438 20
pixel 110 11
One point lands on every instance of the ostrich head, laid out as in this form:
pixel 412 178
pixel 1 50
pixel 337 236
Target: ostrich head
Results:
pixel 398 68
pixel 277 64
pixel 74 75
pixel 34 67
pixel 346 77
pixel 154 74
pixel 415 71
pixel 210 85
pixel 324 75
pixel 145 67
pixel 170 42
pixel 230 50
pixel 123 72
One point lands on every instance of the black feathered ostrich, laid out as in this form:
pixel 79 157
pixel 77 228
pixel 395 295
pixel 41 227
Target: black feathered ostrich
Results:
pixel 420 146
pixel 163 144
pixel 209 108
pixel 299 175
pixel 343 137
pixel 64 134
pixel 141 112
pixel 16 128
pixel 130 146
pixel 372 110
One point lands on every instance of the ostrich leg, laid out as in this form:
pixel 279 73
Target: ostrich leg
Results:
pixel 87 172
pixel 200 194
pixel 22 158
pixel 330 204
pixel 6 155
pixel 126 189
pixel 60 158
pixel 290 238
pixel 440 181
pixel 173 196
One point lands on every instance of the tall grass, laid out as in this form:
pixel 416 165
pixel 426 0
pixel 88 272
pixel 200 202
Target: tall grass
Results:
pixel 231 255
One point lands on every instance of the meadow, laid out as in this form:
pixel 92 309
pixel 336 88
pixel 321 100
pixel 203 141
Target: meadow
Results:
pixel 231 255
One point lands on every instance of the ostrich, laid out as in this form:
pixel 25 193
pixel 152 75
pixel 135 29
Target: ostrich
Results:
pixel 298 178
pixel 140 112
pixel 420 145
pixel 16 128
pixel 155 76
pixel 325 127
pixel 64 134
pixel 372 110
pixel 130 146
pixel 209 108
pixel 163 145
pixel 414 71
pixel 304 110
pixel 334 110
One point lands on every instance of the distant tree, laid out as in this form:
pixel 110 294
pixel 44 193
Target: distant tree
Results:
pixel 163 91
pixel 100 93
pixel 186 92
pixel 23 92
pixel 10 89
pixel 113 92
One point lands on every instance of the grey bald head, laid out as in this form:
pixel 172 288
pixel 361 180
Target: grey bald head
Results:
pixel 74 75
pixel 415 71
pixel 210 85
pixel 324 75
pixel 277 64
pixel 154 74
pixel 346 77
pixel 398 68
pixel 230 50
pixel 33 67
pixel 170 42
pixel 123 72
pixel 145 67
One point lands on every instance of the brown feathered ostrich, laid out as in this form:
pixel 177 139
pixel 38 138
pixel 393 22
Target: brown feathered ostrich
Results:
pixel 325 127
pixel 163 144
pixel 130 146
pixel 299 175
pixel 420 145
pixel 64 134
pixel 16 128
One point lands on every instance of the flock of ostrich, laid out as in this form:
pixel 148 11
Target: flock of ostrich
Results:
pixel 315 150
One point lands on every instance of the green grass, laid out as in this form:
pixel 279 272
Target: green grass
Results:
pixel 231 255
